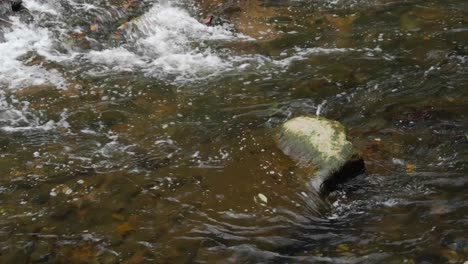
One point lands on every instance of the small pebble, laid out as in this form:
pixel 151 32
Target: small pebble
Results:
pixel 263 198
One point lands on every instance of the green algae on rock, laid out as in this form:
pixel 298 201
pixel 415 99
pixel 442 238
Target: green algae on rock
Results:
pixel 320 143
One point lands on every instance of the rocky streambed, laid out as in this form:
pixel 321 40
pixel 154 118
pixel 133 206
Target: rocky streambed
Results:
pixel 130 132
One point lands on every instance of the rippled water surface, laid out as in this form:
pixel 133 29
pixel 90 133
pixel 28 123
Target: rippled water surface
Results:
pixel 130 132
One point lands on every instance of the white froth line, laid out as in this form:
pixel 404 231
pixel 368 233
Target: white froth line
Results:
pixel 46 127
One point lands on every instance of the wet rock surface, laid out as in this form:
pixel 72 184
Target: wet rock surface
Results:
pixel 322 145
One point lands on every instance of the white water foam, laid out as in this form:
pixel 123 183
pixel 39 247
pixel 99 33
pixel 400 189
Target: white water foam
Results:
pixel 16 116
pixel 167 41
pixel 41 7
pixel 9 115
pixel 19 40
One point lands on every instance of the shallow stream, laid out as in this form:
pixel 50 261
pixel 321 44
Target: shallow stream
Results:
pixel 130 132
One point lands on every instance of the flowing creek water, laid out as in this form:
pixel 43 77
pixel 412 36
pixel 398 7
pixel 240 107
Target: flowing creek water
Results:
pixel 130 132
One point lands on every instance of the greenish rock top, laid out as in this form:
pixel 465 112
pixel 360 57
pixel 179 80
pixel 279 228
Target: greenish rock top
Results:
pixel 316 142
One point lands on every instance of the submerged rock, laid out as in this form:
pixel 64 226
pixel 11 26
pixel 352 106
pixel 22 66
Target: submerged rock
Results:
pixel 321 144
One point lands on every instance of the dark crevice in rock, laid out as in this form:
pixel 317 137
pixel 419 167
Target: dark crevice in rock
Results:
pixel 13 8
pixel 17 6
pixel 352 168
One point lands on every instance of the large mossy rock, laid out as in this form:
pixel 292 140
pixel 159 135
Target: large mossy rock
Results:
pixel 321 145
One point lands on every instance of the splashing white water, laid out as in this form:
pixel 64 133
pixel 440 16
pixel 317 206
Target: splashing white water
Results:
pixel 16 116
pixel 18 41
pixel 165 41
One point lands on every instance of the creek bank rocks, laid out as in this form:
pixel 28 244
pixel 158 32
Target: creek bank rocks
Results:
pixel 321 145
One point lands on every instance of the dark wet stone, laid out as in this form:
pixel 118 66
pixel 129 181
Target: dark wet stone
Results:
pixel 17 6
pixel 352 168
